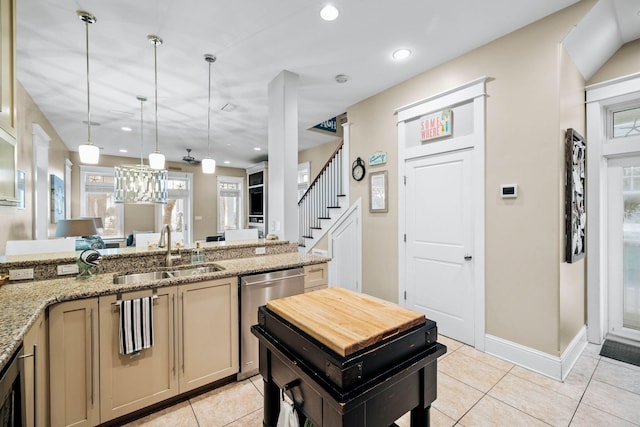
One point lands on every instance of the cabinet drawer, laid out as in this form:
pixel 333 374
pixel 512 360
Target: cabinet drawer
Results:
pixel 315 275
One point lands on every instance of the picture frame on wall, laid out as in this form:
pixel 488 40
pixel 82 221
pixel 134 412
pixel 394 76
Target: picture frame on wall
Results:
pixel 575 212
pixel 378 187
pixel 57 199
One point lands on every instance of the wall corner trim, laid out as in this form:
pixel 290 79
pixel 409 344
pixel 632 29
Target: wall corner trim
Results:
pixel 535 360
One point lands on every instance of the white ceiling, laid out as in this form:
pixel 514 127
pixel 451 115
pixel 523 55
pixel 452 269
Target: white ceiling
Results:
pixel 253 41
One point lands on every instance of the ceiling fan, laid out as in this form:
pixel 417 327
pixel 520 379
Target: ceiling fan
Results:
pixel 190 159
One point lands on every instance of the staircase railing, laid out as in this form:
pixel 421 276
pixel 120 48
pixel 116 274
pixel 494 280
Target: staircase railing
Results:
pixel 322 195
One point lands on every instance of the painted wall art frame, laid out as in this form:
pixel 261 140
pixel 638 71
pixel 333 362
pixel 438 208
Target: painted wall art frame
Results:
pixel 378 200
pixel 575 212
pixel 57 199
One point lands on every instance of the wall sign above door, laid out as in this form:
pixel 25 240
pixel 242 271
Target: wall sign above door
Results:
pixel 436 125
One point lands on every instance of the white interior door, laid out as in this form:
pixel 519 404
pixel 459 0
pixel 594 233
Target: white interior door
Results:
pixel 345 267
pixel 439 241
pixel 623 260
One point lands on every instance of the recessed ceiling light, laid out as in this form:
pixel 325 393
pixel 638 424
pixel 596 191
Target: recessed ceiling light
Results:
pixel 329 13
pixel 257 148
pixel 122 150
pixel 226 162
pixel 401 54
pixel 342 78
pixel 126 128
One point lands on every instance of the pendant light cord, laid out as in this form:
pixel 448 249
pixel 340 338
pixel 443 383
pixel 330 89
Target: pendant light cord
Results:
pixel 86 24
pixel 155 71
pixel 209 115
pixel 141 99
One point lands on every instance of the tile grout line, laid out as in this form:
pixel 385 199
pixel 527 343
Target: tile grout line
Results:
pixel 194 413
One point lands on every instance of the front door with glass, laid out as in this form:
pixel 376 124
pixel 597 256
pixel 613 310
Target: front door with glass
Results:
pixel 623 181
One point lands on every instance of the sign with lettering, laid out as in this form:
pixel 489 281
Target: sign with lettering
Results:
pixel 436 125
pixel 378 158
pixel 330 125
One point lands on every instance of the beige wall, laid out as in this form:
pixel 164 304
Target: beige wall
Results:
pixel 318 156
pixel 524 144
pixel 17 224
pixel 624 62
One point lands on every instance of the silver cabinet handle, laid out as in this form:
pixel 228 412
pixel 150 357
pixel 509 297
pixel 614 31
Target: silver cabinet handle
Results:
pixel 173 303
pixel 182 320
pixel 91 354
pixel 262 282
pixel 34 354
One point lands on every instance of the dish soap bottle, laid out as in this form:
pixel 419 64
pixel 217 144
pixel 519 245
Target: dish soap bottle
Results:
pixel 197 257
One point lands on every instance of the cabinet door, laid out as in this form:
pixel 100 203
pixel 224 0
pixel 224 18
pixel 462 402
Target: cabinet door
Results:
pixel 129 383
pixel 73 345
pixel 7 65
pixel 315 277
pixel 208 319
pixel 36 373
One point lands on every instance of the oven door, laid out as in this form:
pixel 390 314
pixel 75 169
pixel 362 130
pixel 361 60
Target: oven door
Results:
pixel 10 395
pixel 256 198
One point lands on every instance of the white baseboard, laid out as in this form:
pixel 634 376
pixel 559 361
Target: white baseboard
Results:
pixel 552 366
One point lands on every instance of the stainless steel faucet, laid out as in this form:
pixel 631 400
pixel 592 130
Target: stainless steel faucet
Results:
pixel 168 257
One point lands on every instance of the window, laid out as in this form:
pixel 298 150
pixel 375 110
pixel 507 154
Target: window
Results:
pixel 230 209
pixel 625 121
pixel 304 172
pixel 177 212
pixel 97 200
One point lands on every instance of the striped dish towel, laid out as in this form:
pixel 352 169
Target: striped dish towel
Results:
pixel 136 325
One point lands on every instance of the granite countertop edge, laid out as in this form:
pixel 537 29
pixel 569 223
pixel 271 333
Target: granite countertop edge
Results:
pixel 23 302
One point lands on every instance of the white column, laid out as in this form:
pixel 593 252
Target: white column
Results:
pixel 283 156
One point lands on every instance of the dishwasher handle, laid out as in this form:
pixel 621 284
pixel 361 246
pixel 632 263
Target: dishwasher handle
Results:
pixel 278 279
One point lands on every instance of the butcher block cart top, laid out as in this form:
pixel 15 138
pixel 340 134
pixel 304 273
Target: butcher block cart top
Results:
pixel 347 359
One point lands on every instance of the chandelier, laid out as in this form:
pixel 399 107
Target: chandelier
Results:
pixel 140 184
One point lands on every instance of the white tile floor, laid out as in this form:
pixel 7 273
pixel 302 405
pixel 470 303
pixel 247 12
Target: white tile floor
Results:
pixel 474 389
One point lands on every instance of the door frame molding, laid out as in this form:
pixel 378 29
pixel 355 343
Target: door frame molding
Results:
pixel 475 92
pixel 599 98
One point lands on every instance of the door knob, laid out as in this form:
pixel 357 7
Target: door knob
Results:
pixel 468 257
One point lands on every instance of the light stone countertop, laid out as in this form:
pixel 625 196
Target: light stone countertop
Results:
pixel 22 303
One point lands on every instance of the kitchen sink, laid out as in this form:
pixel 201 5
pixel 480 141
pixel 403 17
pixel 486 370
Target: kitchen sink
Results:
pixel 193 271
pixel 127 279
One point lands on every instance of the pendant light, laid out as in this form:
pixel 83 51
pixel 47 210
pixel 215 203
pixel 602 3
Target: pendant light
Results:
pixel 156 159
pixel 88 152
pixel 140 184
pixel 208 163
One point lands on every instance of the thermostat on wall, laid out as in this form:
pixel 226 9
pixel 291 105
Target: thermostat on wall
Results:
pixel 509 191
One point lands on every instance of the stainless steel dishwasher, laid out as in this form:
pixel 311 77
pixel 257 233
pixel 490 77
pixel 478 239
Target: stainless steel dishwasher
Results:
pixel 255 291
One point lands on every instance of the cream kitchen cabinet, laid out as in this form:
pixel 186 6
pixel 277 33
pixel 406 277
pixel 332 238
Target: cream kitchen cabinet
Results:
pixel 315 277
pixel 196 342
pixel 207 332
pixel 73 363
pixel 129 383
pixel 36 373
pixel 8 66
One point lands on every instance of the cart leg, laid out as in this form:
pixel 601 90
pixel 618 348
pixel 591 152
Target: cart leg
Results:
pixel 420 417
pixel 271 404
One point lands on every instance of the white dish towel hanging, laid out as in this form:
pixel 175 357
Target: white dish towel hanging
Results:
pixel 287 416
pixel 135 331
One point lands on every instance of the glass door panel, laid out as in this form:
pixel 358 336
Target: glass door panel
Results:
pixel 623 246
pixel 631 246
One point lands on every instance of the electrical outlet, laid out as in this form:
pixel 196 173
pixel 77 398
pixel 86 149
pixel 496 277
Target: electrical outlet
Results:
pixel 21 274
pixel 261 250
pixel 67 269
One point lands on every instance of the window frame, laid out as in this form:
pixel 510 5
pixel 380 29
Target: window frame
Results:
pixel 102 171
pixel 236 180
